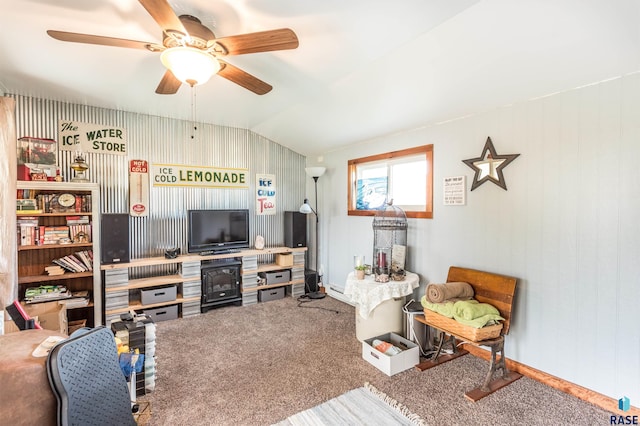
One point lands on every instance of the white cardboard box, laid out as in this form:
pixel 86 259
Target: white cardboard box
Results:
pixel 390 365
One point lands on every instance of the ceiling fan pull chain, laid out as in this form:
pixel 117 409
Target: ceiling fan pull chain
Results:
pixel 193 111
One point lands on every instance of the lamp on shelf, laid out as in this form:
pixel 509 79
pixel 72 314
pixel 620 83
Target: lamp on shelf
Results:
pixel 315 173
pixel 80 168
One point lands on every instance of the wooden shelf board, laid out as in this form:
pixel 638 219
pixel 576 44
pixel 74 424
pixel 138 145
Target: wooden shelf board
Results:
pixel 31 279
pixel 161 260
pixel 148 282
pixel 138 306
pixel 54 246
pixel 264 287
pixel 19 213
pixel 147 261
pixel 266 267
pixel 90 305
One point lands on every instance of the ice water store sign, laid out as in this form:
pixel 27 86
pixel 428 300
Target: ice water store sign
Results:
pixel 87 137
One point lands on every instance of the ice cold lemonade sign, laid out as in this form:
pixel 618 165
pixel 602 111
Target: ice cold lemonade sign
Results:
pixel 88 137
pixel 212 177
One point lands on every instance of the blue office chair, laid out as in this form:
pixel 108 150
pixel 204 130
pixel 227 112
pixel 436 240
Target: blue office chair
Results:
pixel 86 378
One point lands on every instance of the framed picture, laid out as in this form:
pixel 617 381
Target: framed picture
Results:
pixel 455 191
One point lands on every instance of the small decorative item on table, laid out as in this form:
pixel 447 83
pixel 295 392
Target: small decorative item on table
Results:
pixel 360 269
pixel 381 268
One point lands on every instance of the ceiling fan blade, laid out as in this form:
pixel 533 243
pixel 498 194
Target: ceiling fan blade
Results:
pixel 263 41
pixel 243 78
pixel 168 85
pixel 104 41
pixel 163 14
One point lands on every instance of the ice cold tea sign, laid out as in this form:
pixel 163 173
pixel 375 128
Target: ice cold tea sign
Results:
pixel 88 137
pixel 265 194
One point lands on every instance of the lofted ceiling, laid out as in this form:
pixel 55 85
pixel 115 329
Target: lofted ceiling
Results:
pixel 363 68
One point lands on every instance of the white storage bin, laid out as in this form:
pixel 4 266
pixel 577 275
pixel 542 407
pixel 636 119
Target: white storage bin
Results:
pixel 391 364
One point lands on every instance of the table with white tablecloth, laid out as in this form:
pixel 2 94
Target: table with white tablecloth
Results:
pixel 379 305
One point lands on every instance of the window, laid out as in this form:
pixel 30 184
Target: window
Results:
pixel 405 176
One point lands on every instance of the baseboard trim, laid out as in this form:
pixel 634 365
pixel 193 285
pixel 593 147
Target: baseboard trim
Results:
pixel 592 397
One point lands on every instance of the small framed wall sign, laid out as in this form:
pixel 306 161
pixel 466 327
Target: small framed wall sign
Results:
pixel 455 191
pixel 265 194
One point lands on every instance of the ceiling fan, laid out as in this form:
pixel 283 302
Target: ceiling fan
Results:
pixel 191 52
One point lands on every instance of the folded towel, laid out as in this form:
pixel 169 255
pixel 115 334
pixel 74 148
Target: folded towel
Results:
pixel 475 314
pixel 480 322
pixel 445 308
pixel 438 293
pixel 472 309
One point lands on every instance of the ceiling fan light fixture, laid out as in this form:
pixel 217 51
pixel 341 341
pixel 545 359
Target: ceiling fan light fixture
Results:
pixel 190 65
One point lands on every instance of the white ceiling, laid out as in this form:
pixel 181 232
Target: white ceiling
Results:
pixel 364 68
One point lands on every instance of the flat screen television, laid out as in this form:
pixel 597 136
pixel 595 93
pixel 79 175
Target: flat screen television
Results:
pixel 217 230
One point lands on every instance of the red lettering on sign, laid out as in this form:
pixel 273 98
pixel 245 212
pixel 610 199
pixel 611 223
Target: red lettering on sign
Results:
pixel 138 166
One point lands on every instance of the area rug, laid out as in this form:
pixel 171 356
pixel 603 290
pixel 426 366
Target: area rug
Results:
pixel 362 406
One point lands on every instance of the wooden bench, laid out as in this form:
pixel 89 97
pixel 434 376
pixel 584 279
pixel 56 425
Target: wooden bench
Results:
pixel 497 290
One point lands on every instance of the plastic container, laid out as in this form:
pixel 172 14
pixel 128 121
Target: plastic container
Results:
pixel 37 151
pixel 385 347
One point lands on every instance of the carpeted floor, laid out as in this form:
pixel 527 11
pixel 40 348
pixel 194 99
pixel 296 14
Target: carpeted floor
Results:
pixel 258 365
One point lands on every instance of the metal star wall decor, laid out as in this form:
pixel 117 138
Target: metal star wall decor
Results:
pixel 489 165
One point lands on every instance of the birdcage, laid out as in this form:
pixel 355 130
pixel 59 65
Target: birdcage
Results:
pixel 389 243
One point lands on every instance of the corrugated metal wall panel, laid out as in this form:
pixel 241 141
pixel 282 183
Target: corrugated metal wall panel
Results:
pixel 164 140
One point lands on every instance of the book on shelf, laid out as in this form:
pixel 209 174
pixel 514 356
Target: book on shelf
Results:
pixel 25 194
pixel 28 230
pixel 27 235
pixel 80 261
pixel 78 299
pixel 46 293
pixel 75 262
pixel 78 220
pixel 26 204
pixel 48 203
pixel 74 302
pixel 81 293
pixel 53 234
pixel 26 219
pixel 61 262
pixel 84 257
pixel 54 270
pixel 31 211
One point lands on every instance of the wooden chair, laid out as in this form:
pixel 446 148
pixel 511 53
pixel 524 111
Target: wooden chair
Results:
pixel 497 290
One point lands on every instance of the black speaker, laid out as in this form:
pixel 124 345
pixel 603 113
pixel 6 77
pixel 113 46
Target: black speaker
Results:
pixel 310 281
pixel 114 234
pixel 295 229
